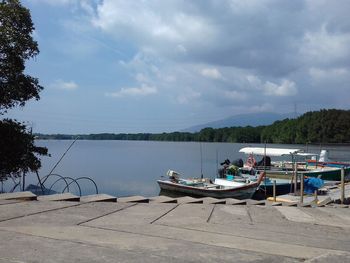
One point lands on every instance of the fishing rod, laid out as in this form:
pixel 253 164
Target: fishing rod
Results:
pixel 70 146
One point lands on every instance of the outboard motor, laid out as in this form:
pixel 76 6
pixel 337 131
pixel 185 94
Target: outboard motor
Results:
pixel 263 162
pixel 323 156
pixel 238 163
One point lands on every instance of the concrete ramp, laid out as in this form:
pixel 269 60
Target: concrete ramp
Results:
pixel 211 200
pixel 18 196
pixel 60 197
pixel 162 199
pixel 98 198
pixel 133 199
pixel 189 200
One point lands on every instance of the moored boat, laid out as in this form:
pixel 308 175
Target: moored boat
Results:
pixel 285 169
pixel 220 188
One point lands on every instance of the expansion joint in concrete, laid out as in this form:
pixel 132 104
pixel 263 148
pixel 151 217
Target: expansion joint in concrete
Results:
pixel 112 212
pixel 164 214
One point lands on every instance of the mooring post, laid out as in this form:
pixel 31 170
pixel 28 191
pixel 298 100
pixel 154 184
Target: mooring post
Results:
pixel 295 177
pixel 274 190
pixel 316 199
pixel 24 181
pixel 342 186
pixel 301 188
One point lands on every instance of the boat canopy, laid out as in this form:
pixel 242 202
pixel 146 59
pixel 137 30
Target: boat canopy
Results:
pixel 269 151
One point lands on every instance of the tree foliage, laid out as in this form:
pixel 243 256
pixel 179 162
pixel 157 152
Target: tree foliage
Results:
pixel 325 126
pixel 17 149
pixel 16 46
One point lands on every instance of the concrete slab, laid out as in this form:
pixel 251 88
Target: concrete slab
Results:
pixel 189 200
pixel 95 245
pixel 68 216
pixel 335 257
pixel 266 215
pixel 162 199
pixel 227 215
pixel 139 214
pixel 306 204
pixel 290 204
pixel 330 216
pixel 289 233
pixel 210 200
pixel 18 196
pixel 186 234
pixel 59 197
pixel 274 203
pixel 98 198
pixel 6 202
pixel 337 206
pixel 133 199
pixel 23 209
pixel 324 202
pixel 295 214
pixel 187 214
pixel 232 201
pixel 168 232
pixel 255 202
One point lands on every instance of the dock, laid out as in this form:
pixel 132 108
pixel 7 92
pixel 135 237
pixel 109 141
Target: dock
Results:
pixel 159 229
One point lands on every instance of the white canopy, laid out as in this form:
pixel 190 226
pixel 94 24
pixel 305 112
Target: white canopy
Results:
pixel 269 151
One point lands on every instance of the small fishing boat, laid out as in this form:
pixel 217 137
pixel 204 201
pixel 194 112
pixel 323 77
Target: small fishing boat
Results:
pixel 286 169
pixel 204 187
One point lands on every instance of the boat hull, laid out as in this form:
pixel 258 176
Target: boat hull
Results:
pixel 328 173
pixel 245 192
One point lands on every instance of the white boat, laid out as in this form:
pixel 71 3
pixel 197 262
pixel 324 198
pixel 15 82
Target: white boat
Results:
pixel 220 188
pixel 285 169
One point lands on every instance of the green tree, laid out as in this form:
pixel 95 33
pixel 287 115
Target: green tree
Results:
pixel 17 149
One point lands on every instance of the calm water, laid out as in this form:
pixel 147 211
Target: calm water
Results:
pixel 124 168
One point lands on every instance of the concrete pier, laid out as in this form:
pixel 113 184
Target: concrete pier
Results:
pixel 132 231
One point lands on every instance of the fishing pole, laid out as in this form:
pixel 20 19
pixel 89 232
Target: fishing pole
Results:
pixel 70 146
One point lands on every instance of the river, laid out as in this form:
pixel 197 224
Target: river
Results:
pixel 123 168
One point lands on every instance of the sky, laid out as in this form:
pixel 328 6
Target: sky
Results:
pixel 166 65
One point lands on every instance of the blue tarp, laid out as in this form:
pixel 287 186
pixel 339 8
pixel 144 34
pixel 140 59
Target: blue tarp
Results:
pixel 311 184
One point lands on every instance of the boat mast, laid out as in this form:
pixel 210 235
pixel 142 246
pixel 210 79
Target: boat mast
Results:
pixel 200 148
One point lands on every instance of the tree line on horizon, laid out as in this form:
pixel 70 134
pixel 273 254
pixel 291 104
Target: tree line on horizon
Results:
pixel 324 126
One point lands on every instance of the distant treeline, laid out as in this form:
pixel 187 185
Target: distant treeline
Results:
pixel 324 126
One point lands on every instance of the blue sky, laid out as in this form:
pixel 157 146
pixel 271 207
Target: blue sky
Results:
pixel 154 66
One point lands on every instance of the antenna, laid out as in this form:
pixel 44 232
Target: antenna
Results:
pixel 217 162
pixel 200 147
pixel 295 110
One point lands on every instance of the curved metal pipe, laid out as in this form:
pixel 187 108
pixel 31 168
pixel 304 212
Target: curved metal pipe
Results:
pixel 89 179
pixel 73 180
pixel 60 178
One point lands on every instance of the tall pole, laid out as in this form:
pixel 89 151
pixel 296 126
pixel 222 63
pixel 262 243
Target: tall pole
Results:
pixel 295 176
pixel 200 147
pixel 265 169
pixel 342 187
pixel 301 188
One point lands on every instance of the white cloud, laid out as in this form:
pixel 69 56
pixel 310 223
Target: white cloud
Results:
pixel 212 73
pixel 235 95
pixel 286 88
pixel 266 107
pixel 324 47
pixel 188 97
pixel 320 75
pixel 64 85
pixel 144 90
